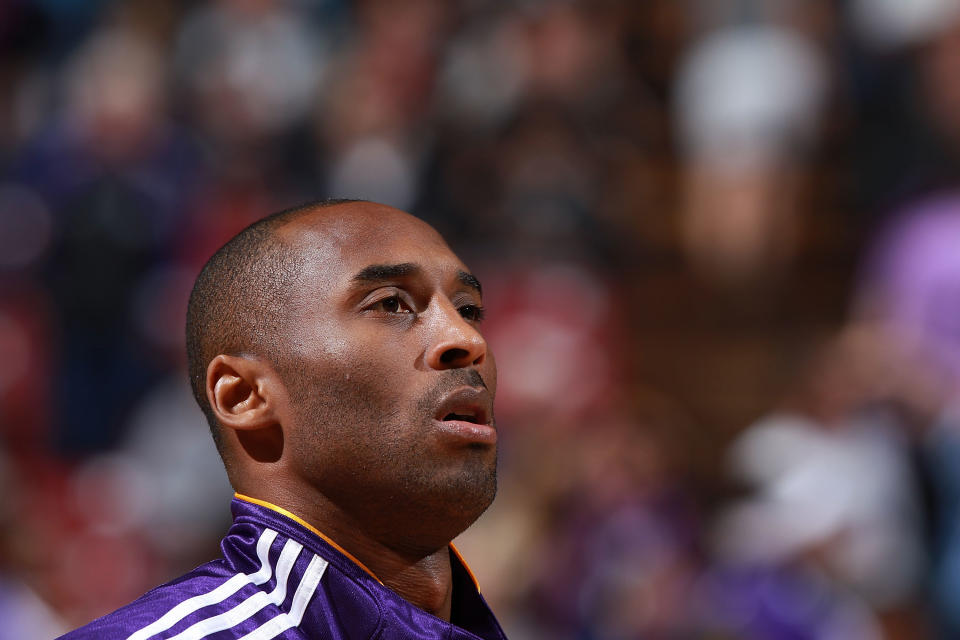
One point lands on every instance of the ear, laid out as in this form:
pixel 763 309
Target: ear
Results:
pixel 240 392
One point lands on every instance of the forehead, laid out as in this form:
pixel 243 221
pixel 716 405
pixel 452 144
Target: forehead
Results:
pixel 336 242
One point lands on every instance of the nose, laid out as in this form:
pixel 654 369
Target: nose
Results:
pixel 455 342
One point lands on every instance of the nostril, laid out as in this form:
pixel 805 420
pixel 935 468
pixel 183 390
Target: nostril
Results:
pixel 451 356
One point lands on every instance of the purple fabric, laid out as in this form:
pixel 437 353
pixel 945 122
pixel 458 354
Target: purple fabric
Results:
pixel 913 277
pixel 321 594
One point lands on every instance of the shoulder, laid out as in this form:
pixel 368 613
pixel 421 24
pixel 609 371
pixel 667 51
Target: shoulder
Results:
pixel 268 585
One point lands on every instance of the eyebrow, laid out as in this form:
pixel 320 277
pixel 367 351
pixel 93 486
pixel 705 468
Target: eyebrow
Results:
pixel 470 280
pixel 381 272
pixel 378 272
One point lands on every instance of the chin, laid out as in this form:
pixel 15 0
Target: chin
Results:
pixel 471 499
pixel 454 503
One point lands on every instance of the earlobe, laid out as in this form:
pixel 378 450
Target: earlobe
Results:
pixel 239 394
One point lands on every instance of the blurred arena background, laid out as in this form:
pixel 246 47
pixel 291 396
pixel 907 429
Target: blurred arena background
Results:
pixel 721 241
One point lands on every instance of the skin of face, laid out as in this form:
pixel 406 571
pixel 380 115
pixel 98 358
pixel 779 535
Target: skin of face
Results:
pixel 381 343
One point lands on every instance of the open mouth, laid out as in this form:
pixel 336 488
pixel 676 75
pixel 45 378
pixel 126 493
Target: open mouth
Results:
pixel 467 404
pixel 466 415
pixel 462 417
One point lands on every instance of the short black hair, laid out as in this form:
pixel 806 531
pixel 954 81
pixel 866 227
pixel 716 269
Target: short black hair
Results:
pixel 237 302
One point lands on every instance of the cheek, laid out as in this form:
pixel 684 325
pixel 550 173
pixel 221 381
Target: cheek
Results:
pixel 341 383
pixel 337 412
pixel 490 372
pixel 328 354
pixel 344 373
pixel 335 341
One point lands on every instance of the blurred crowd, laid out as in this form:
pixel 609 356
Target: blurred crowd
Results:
pixel 637 184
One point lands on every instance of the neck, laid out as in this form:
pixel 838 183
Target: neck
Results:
pixel 426 583
pixel 420 575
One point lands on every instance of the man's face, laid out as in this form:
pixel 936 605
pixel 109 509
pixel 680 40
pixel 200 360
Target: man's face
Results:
pixel 391 384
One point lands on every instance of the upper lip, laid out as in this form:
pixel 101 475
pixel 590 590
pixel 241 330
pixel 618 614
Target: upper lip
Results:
pixel 468 403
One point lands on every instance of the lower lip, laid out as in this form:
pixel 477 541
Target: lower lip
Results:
pixel 468 431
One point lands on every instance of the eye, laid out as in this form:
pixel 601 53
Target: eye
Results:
pixel 393 304
pixel 472 312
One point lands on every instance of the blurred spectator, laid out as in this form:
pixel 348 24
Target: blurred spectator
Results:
pixel 179 491
pixel 485 72
pixel 842 492
pixel 779 602
pixel 622 559
pixel 901 61
pixel 26 321
pixel 26 615
pixel 911 290
pixel 250 67
pixel 115 174
pixel 856 478
pixel 834 507
pixel 910 283
pixel 886 25
pixel 748 109
pixel 25 351
pixel 375 125
pixel 248 73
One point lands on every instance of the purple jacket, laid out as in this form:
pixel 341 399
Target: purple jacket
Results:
pixel 280 578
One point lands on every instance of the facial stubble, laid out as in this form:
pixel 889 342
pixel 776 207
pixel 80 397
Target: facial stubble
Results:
pixel 382 462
